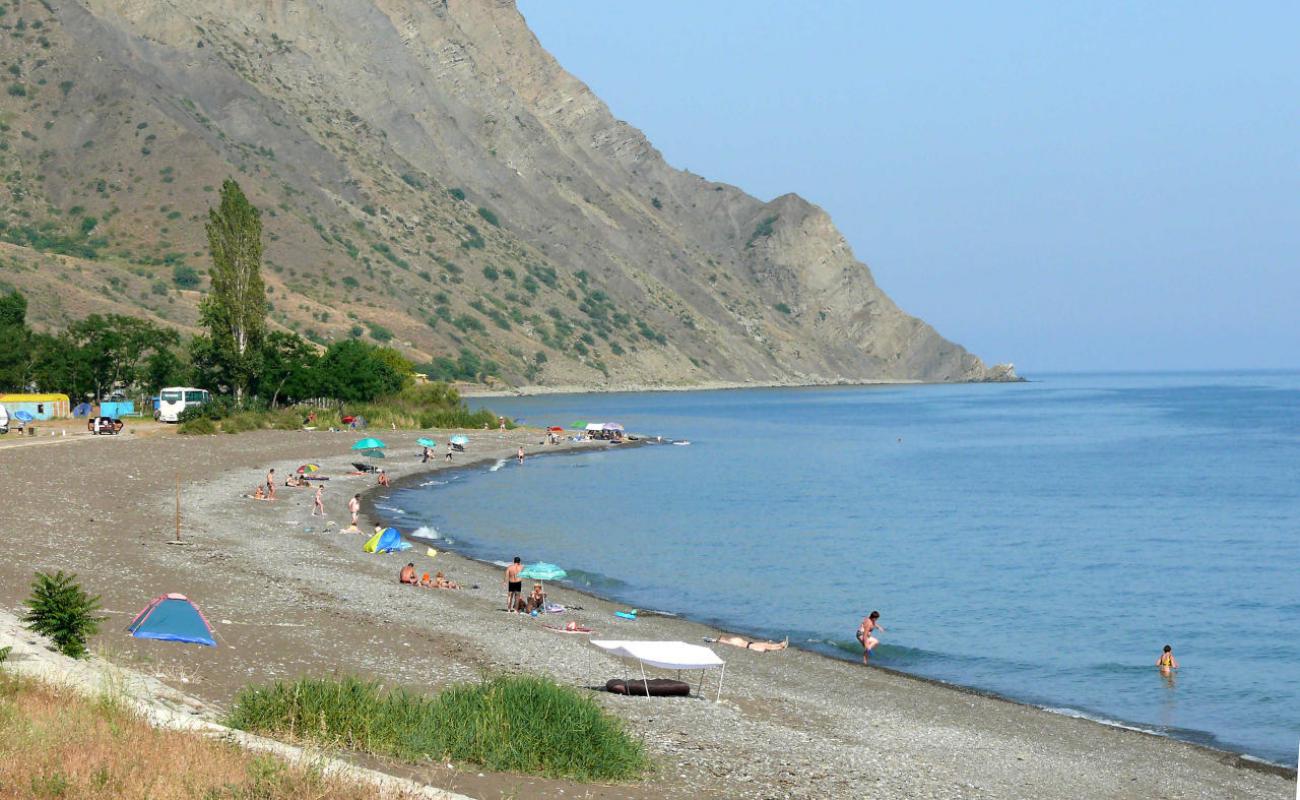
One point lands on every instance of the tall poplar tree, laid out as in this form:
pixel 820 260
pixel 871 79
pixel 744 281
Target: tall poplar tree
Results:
pixel 235 309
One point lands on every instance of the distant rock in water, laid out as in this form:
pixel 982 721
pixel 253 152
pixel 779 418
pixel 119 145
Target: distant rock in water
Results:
pixel 431 178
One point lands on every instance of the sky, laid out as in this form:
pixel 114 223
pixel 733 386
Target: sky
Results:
pixel 1096 186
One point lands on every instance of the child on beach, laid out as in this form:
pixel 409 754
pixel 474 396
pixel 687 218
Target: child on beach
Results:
pixel 520 454
pixel 869 626
pixel 318 503
pixel 1167 661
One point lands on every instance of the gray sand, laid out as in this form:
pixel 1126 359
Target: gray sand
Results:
pixel 288 599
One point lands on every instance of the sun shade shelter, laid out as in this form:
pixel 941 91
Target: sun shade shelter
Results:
pixel 172 618
pixel 667 655
pixel 389 540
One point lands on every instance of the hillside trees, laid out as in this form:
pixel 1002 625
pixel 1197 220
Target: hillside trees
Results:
pixel 16 338
pixel 234 312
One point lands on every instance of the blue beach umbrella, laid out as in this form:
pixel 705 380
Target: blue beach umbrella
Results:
pixel 426 442
pixel 369 443
pixel 460 439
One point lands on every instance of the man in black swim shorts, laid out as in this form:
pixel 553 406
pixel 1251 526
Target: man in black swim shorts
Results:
pixel 514 586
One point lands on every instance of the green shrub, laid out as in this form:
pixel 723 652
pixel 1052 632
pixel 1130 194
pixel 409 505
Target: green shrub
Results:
pixel 458 194
pixel 763 229
pixel 508 724
pixel 488 215
pixel 490 272
pixel 202 426
pixel 783 308
pixel 4 653
pixel 185 277
pixel 60 609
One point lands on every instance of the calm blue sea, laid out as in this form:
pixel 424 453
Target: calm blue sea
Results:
pixel 1042 541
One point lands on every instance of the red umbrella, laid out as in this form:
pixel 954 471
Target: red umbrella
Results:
pixel 555 429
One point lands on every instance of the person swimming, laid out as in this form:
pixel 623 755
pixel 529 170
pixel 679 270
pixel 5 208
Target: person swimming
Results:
pixel 1167 661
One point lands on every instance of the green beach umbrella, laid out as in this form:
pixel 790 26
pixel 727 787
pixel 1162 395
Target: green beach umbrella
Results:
pixel 580 425
pixel 426 442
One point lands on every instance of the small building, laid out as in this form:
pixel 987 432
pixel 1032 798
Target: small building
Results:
pixel 40 406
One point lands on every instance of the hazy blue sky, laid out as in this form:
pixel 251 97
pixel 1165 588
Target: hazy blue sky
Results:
pixel 1114 185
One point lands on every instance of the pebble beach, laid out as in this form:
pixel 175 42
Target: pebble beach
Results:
pixel 290 595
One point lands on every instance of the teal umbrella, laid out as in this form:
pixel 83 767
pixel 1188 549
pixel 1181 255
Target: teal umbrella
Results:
pixel 460 439
pixel 542 571
pixel 370 447
pixel 426 442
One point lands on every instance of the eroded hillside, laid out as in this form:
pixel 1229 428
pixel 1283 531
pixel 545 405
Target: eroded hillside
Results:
pixel 430 176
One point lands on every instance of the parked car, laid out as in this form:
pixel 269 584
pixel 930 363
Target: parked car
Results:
pixel 104 426
pixel 4 420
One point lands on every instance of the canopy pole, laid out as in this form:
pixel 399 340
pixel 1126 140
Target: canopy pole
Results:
pixel 721 676
pixel 644 679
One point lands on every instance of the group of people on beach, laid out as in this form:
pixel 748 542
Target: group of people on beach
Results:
pixel 438 581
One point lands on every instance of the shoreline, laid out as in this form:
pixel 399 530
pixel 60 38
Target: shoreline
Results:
pixel 289 598
pixel 1242 759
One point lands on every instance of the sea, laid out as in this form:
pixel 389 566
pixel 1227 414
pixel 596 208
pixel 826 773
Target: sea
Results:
pixel 1041 541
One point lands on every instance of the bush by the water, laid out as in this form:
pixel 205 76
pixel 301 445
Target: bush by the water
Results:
pixel 60 609
pixel 509 724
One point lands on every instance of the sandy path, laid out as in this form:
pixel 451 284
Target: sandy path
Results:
pixel 290 600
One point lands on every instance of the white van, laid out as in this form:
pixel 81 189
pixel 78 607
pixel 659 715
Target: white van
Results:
pixel 4 419
pixel 175 399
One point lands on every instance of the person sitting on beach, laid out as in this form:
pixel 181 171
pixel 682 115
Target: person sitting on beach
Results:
pixel 750 644
pixel 536 599
pixel 383 479
pixel 295 482
pixel 869 626
pixel 1167 661
pixel 259 493
pixel 407 575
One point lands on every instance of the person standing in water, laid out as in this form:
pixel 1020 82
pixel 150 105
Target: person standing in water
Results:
pixel 520 454
pixel 869 626
pixel 514 586
pixel 1167 662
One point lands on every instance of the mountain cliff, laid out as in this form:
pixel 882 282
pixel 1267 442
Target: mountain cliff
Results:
pixel 430 177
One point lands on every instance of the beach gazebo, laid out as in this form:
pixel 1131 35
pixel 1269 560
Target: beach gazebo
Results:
pixel 667 655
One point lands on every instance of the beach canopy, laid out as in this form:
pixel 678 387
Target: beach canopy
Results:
pixel 389 540
pixel 542 571
pixel 172 618
pixel 369 443
pixel 460 439
pixel 595 426
pixel 555 429
pixel 612 426
pixel 578 425
pixel 666 655
pixel 423 442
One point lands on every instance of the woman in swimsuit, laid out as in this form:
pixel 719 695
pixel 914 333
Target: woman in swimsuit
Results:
pixel 750 644
pixel 1167 661
pixel 869 626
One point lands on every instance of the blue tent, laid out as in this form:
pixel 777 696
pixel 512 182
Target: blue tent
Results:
pixel 172 618
pixel 389 540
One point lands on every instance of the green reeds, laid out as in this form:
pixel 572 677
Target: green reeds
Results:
pixel 505 724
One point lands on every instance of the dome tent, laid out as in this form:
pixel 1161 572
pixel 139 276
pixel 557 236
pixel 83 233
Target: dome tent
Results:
pixel 172 618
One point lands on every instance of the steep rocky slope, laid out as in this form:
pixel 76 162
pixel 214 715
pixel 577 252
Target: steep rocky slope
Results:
pixel 428 173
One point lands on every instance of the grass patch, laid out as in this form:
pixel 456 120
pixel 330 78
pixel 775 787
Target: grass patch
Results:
pixel 507 724
pixel 55 743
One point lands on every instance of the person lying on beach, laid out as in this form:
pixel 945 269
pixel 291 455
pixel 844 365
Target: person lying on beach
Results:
pixel 750 644
pixel 295 482
pixel 407 575
pixel 1167 661
pixel 440 582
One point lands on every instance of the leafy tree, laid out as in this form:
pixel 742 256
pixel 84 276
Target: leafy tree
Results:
pixel 15 353
pixel 112 348
pixel 163 368
pixel 351 371
pixel 234 311
pixel 289 368
pixel 60 609
pixel 398 363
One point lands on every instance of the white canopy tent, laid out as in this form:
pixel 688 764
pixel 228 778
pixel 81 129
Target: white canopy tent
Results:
pixel 595 427
pixel 667 655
